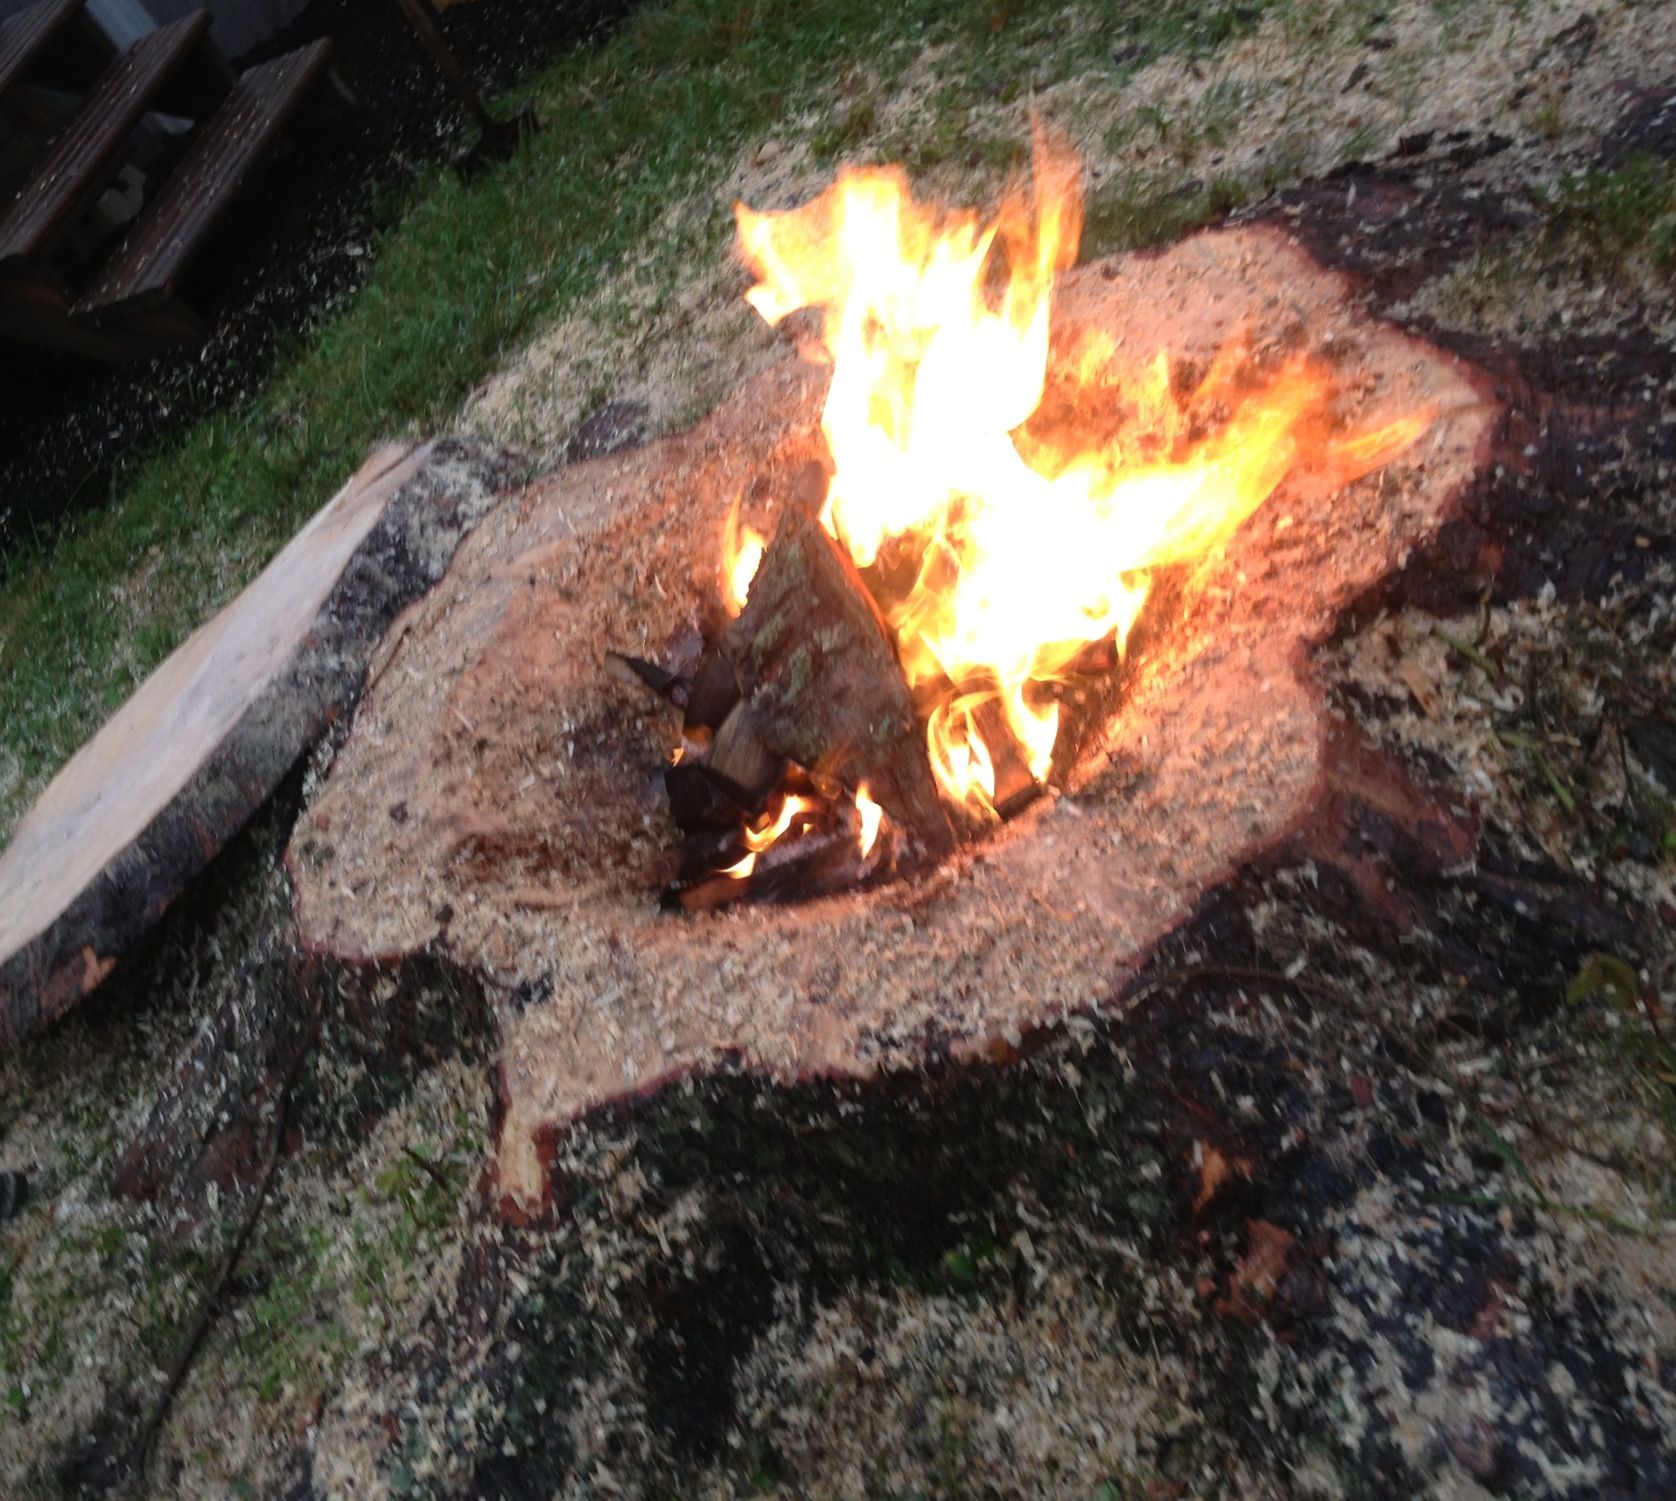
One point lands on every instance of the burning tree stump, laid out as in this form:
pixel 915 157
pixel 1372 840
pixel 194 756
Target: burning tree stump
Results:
pixel 500 800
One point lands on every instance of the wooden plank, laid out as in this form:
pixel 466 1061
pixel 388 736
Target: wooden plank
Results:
pixel 34 309
pixel 32 141
pixel 150 799
pixel 201 83
pixel 25 36
pixel 85 156
pixel 174 227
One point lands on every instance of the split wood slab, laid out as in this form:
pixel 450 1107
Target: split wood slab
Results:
pixel 146 803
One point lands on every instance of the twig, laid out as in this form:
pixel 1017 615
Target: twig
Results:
pixel 432 1170
pixel 1468 650
pixel 140 1454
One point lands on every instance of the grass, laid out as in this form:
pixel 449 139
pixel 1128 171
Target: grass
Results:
pixel 1613 214
pixel 468 272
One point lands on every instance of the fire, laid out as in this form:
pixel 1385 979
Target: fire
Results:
pixel 1018 554
pixel 768 830
pixel 742 550
pixel 871 816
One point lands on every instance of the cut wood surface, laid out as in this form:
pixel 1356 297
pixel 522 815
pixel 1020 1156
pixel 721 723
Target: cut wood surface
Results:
pixel 146 803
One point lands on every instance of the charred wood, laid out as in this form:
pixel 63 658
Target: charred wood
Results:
pixel 823 683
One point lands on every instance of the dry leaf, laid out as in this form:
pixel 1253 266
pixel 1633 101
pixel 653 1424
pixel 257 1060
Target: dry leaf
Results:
pixel 1252 1286
pixel 1420 685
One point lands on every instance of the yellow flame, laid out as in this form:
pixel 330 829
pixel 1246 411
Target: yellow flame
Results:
pixel 771 828
pixel 937 323
pixel 871 816
pixel 742 550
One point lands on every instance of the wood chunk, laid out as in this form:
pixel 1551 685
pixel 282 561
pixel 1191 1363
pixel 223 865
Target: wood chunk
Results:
pixel 145 804
pixel 823 683
pixel 741 762
pixel 698 799
pixel 1015 788
pixel 668 685
pixel 715 690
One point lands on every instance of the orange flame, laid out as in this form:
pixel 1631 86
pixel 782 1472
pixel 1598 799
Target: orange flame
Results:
pixel 768 830
pixel 765 832
pixel 938 325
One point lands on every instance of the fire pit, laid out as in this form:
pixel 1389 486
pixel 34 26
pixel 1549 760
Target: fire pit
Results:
pixel 930 681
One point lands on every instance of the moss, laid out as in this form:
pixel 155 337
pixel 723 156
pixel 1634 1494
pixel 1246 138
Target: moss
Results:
pixel 1613 214
pixel 765 640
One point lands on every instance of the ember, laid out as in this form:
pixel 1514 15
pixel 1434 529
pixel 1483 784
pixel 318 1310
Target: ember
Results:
pixel 909 651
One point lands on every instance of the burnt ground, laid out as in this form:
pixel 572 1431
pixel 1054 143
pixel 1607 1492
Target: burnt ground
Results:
pixel 1364 1188
pixel 289 252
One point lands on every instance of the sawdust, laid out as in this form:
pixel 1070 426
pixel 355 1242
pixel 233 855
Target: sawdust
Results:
pixel 1307 90
pixel 1548 1327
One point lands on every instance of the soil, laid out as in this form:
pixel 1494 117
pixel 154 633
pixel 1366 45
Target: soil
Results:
pixel 68 426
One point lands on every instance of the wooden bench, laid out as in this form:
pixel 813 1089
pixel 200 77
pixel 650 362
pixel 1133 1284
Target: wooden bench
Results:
pixel 82 160
pixel 170 231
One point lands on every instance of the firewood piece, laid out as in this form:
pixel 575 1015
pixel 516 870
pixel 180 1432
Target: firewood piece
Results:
pixel 144 805
pixel 810 864
pixel 823 682
pixel 697 800
pixel 710 851
pixel 740 761
pixel 816 864
pixel 715 891
pixel 715 690
pixel 670 686
pixel 1015 788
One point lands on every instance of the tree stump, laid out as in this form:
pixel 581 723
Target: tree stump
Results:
pixel 501 796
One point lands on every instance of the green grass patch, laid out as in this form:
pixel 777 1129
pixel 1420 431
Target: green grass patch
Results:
pixel 469 271
pixel 1613 215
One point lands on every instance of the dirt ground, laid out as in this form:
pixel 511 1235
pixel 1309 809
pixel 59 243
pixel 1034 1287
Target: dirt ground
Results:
pixel 1316 1207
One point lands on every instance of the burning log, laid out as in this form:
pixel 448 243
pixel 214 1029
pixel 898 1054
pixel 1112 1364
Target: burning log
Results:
pixel 830 852
pixel 822 682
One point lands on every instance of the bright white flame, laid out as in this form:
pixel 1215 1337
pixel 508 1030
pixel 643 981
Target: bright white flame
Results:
pixel 871 816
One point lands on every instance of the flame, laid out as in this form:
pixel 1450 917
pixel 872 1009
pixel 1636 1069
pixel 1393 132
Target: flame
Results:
pixel 770 829
pixel 767 831
pixel 1022 551
pixel 740 869
pixel 871 816
pixel 742 550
